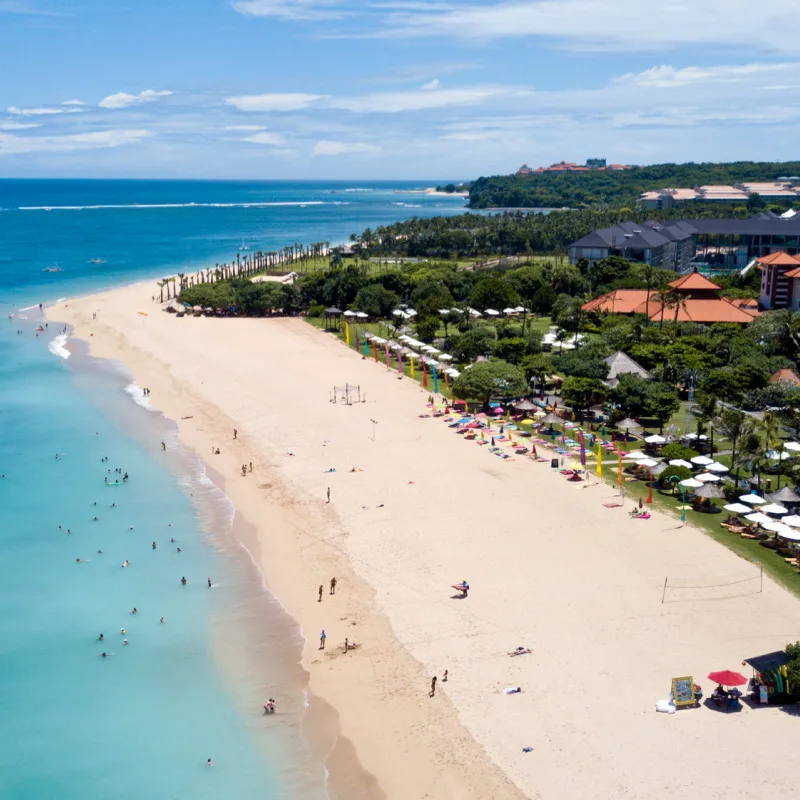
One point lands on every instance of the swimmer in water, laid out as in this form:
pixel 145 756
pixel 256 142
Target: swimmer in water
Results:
pixel 161 620
pixel 94 520
pixel 179 549
pixel 105 655
pixel 122 631
pixel 183 581
pixel 208 763
pixel 135 611
pixel 209 583
pixel 99 552
pixel 124 641
pixel 172 541
pixel 125 563
pixel 81 561
pixel 101 638
pixel 154 545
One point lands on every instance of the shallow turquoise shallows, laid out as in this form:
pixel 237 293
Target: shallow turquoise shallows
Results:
pixel 142 722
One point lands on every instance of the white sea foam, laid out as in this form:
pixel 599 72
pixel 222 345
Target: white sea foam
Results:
pixel 61 299
pixel 138 395
pixel 172 205
pixel 57 346
pixel 29 308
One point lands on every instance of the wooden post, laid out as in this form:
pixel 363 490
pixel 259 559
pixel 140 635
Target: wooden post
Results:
pixel 664 592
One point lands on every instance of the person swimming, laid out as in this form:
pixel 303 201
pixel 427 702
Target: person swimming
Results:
pixel 183 581
pixel 101 638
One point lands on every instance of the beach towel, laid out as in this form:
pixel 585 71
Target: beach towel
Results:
pixel 613 505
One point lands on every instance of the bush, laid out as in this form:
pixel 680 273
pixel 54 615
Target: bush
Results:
pixel 674 451
pixel 316 310
pixel 666 478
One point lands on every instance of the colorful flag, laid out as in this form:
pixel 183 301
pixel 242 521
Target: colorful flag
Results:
pixel 599 460
pixel 650 493
pixel 399 363
pixel 347 334
pixel 355 331
pixel 435 382
pixel 366 346
pixel 375 349
pixel 411 364
pixel 583 448
pixel 619 469
pixel 424 376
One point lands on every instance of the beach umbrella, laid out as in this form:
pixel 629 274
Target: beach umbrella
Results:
pixel 753 499
pixel 727 678
pixel 491 312
pixel 655 439
pixel 679 462
pixel 793 520
pixel 499 412
pixel 648 462
pixel 524 405
pixel 658 469
pixel 758 517
pixel 552 419
pixel 739 508
pixel 702 461
pixel 774 455
pixel 785 495
pixel 778 527
pixel 638 455
pixel 707 477
pixel 629 424
pixel 691 483
pixel 526 422
pixel 774 508
pixel 445 357
pixel 788 533
pixel 792 446
pixel 716 467
pixel 710 491
pixel 349 313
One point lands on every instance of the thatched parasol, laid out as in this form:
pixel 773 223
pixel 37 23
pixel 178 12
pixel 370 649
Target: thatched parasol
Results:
pixel 710 491
pixel 552 419
pixel 629 424
pixel 785 495
pixel 658 469
pixel 524 405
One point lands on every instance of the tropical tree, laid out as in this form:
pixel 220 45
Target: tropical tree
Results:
pixel 488 379
pixel 582 393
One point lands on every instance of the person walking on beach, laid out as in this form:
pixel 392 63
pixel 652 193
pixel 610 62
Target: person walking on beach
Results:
pixel 322 637
pixel 320 594
pixel 329 495
pixel 235 434
pixel 163 446
pixel 433 687
pixel 333 585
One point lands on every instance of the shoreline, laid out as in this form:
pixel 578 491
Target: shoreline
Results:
pixel 550 569
pixel 337 722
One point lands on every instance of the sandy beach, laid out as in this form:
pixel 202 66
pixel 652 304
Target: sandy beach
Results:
pixel 550 568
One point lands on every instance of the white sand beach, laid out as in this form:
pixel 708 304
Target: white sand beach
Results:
pixel 550 568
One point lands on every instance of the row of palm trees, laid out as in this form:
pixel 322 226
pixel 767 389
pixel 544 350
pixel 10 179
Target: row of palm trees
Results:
pixel 245 266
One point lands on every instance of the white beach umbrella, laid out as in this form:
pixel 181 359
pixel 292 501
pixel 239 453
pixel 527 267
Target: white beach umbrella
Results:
pixel 637 454
pixel 398 312
pixel 758 517
pixel 349 313
pixel 753 499
pixel 648 462
pixel 702 461
pixel 774 455
pixel 361 315
pixel 774 508
pixel 444 311
pixel 717 467
pixel 793 520
pixel 795 446
pixel 679 462
pixel 741 508
pixel 776 527
pixel 520 309
pixel 510 311
pixel 474 313
pixel 787 533
pixel 655 439
pixel 453 373
pixel 691 483
pixel 707 477
pixel 411 312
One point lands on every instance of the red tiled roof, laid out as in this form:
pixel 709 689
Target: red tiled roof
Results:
pixel 694 281
pixel 748 304
pixel 793 273
pixel 620 301
pixel 780 259
pixel 713 309
pixel 785 375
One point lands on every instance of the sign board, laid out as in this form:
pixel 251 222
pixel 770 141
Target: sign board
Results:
pixel 683 691
pixel 763 695
pixel 553 463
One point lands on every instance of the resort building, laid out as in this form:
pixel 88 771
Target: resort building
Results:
pixel 780 281
pixel 740 193
pixel 692 298
pixel 666 245
pixel 785 376
pixel 592 165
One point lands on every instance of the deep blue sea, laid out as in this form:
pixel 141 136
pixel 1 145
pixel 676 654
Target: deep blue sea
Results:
pixel 142 722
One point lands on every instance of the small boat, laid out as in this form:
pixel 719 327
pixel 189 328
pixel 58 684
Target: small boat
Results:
pixel 52 269
pixel 243 246
pixel 97 261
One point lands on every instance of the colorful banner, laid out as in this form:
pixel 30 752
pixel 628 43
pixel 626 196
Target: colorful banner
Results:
pixel 347 334
pixel 355 331
pixel 435 383
pixel 583 448
pixel 375 349
pixel 446 382
pixel 424 376
pixel 650 493
pixel 399 363
pixel 366 346
pixel 411 364
pixel 599 460
pixel 619 469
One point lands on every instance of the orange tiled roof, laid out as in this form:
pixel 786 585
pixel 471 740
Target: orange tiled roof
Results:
pixel 620 301
pixel 694 281
pixel 793 273
pixel 779 259
pixel 713 309
pixel 785 375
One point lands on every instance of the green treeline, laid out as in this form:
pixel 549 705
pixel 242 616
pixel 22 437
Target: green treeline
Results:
pixel 620 187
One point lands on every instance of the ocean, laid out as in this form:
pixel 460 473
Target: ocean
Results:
pixel 142 721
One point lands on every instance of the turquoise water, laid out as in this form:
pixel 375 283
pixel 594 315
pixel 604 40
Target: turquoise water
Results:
pixel 141 723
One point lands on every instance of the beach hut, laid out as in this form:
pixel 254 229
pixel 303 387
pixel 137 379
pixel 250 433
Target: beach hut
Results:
pixel 709 492
pixel 770 680
pixel 628 425
pixel 332 316
pixel 784 496
pixel 524 405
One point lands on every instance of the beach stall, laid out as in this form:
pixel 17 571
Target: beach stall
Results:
pixel 332 317
pixel 770 683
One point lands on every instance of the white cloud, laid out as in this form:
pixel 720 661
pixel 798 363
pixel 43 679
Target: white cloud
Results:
pixel 244 128
pixel 273 102
pixel 665 77
pixel 608 24
pixel 392 102
pixel 11 144
pixel 290 9
pixel 270 139
pixel 74 103
pixel 123 99
pixel 430 85
pixel 326 148
pixel 41 111
pixel 13 125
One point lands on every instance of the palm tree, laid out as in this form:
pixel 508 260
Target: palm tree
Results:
pixel 734 425
pixel 678 302
pixel 706 412
pixel 663 295
pixel 161 285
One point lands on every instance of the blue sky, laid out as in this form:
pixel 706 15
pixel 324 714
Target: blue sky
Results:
pixel 390 88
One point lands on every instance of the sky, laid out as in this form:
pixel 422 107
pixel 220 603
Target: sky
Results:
pixel 390 89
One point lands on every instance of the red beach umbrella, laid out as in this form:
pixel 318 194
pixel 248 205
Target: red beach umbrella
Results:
pixel 727 678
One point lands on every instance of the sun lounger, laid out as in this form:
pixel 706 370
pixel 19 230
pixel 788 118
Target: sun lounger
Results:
pixel 748 535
